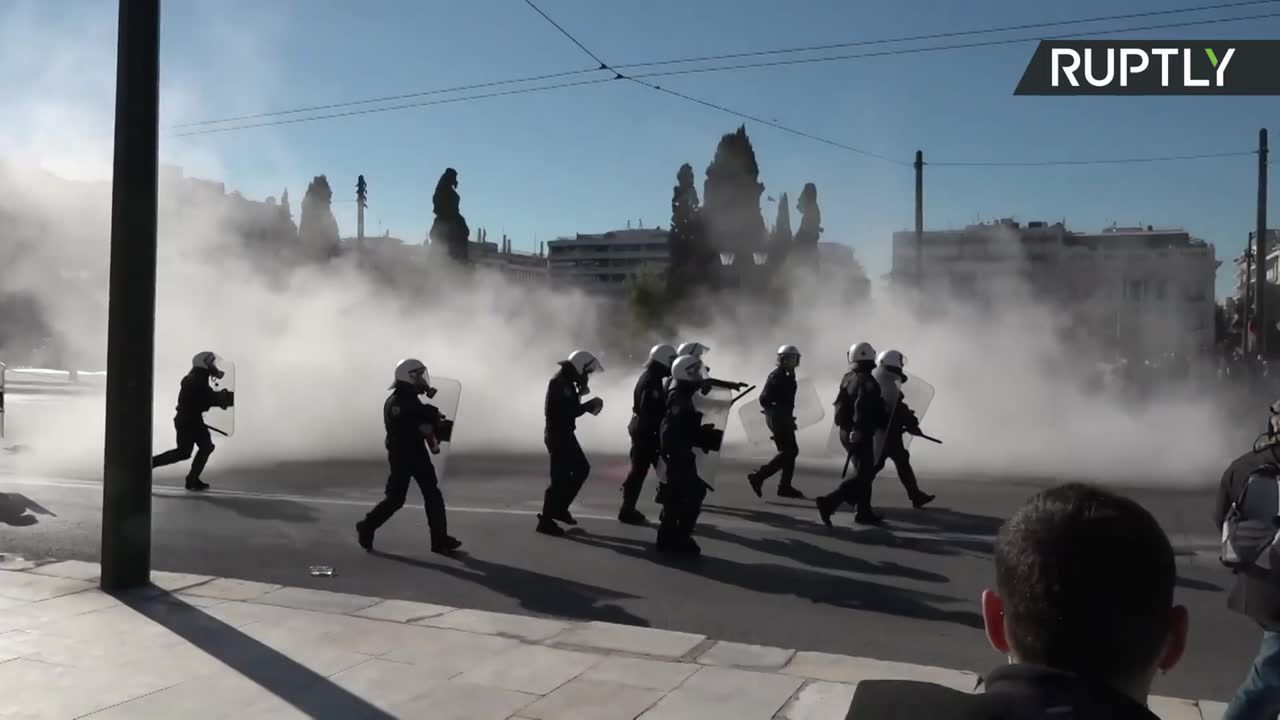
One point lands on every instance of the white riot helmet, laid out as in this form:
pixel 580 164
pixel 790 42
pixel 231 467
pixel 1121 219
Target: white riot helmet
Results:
pixel 414 372
pixel 663 355
pixel 207 361
pixel 860 352
pixel 789 356
pixel 891 359
pixel 584 363
pixel 687 368
pixel 694 349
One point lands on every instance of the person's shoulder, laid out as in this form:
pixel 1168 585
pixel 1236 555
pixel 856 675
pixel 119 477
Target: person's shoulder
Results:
pixel 913 699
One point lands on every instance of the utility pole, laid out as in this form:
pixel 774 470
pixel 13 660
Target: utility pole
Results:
pixel 1244 304
pixel 1260 248
pixel 126 481
pixel 919 221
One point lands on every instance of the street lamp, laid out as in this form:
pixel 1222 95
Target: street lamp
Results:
pixel 760 258
pixel 726 258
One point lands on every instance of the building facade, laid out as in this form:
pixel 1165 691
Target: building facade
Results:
pixel 839 267
pixel 605 262
pixel 1141 291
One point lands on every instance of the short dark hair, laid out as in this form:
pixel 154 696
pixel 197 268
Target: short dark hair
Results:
pixel 1087 581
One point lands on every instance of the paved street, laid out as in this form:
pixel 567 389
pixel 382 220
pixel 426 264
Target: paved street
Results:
pixel 770 573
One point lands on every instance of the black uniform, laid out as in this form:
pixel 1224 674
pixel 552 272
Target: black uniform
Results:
pixel 569 466
pixel 648 405
pixel 682 430
pixel 195 398
pixel 778 403
pixel 903 421
pixel 860 412
pixel 408 420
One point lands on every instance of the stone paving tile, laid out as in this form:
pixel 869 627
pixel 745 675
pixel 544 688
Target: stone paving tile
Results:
pixel 402 611
pixel 819 700
pixel 1210 710
pixel 317 600
pixel 31 587
pixel 843 668
pixel 376 637
pixel 629 639
pixel 71 569
pixel 224 695
pixel 1173 708
pixel 34 614
pixel 240 614
pixel 463 701
pixel 386 684
pixel 490 623
pixel 451 651
pixel 35 689
pixel 531 669
pixel 174 581
pixel 641 673
pixel 230 589
pixel 714 693
pixel 750 657
pixel 591 700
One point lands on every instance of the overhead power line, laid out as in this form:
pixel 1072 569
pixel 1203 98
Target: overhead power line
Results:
pixel 728 56
pixel 370 111
pixel 955 46
pixel 942 35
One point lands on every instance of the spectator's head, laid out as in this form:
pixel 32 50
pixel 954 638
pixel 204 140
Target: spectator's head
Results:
pixel 1084 584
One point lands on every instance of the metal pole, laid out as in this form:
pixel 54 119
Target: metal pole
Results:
pixel 126 494
pixel 1248 283
pixel 919 220
pixel 1260 248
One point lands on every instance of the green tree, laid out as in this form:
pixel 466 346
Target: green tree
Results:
pixel 731 193
pixel 780 241
pixel 686 242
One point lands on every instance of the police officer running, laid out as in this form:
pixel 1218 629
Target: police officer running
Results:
pixel 648 405
pixel 569 466
pixel 683 430
pixel 195 398
pixel 414 432
pixel 778 402
pixel 902 420
pixel 859 413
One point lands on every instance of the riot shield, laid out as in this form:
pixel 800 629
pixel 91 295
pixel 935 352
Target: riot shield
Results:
pixel 448 396
pixel 919 395
pixel 219 419
pixel 808 411
pixel 714 405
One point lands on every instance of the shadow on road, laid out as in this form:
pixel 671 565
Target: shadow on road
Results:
pixel 536 592
pixel 254 508
pixel 772 579
pixel 14 508
pixel 816 556
pixel 311 693
pixel 1193 584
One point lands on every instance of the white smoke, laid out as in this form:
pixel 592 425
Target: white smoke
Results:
pixel 315 349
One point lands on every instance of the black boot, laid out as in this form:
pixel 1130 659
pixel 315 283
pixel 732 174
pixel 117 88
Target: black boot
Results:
pixel 922 499
pixel 364 535
pixel 786 491
pixel 197 485
pixel 547 526
pixel 629 515
pixel 867 516
pixel 826 508
pixel 445 545
pixel 757 483
pixel 566 518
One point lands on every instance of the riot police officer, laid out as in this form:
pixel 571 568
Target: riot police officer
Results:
pixel 414 432
pixel 859 413
pixel 682 431
pixel 902 420
pixel 195 397
pixel 569 466
pixel 778 403
pixel 648 405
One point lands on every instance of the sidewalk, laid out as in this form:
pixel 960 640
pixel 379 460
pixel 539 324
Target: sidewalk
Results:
pixel 195 646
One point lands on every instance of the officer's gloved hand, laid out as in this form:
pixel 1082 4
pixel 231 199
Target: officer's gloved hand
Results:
pixel 915 430
pixel 595 405
pixel 433 445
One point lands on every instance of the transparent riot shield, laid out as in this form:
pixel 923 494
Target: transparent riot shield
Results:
pixel 808 411
pixel 448 396
pixel 919 396
pixel 714 405
pixel 915 393
pixel 219 419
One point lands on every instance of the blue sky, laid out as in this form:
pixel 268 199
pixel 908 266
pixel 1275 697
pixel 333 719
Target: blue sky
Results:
pixel 591 158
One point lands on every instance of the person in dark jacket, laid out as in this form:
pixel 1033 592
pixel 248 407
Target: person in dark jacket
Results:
pixel 1255 596
pixel 196 396
pixel 902 420
pixel 860 413
pixel 682 432
pixel 414 432
pixel 648 405
pixel 569 466
pixel 1083 610
pixel 778 403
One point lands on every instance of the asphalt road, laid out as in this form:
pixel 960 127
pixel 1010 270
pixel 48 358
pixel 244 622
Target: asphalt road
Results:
pixel 770 572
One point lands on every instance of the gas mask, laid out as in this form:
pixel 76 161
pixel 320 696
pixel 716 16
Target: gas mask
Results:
pixel 430 392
